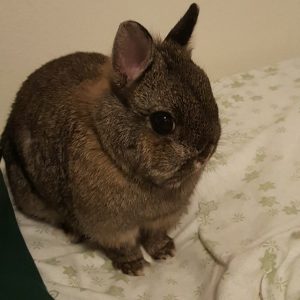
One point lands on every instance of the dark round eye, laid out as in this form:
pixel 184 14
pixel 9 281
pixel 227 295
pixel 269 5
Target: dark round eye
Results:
pixel 162 122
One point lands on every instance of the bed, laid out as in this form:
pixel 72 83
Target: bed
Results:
pixel 241 236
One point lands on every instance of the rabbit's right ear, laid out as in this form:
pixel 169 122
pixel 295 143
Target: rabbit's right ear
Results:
pixel 132 51
pixel 182 31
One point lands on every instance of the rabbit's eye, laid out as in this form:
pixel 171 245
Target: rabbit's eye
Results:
pixel 162 122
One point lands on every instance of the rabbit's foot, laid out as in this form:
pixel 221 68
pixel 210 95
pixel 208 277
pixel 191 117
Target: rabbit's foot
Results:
pixel 134 267
pixel 159 245
pixel 127 258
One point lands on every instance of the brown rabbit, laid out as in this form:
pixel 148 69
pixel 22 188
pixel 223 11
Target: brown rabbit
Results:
pixel 111 148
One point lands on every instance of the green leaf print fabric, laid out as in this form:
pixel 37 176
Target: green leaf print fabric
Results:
pixel 254 229
pixel 241 236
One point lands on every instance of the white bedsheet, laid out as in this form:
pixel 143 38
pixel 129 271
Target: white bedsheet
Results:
pixel 241 237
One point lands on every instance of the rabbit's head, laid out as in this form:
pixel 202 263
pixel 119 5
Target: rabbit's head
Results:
pixel 160 124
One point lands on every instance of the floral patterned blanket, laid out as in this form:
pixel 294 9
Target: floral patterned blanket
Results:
pixel 241 237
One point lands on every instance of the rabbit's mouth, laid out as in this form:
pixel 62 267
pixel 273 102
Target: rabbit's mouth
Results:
pixel 191 168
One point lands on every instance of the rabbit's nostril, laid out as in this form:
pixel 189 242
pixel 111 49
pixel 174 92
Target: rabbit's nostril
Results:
pixel 201 147
pixel 205 152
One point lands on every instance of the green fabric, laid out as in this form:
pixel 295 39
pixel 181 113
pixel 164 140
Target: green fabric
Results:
pixel 19 277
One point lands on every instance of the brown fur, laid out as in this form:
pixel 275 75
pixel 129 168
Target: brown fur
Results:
pixel 80 151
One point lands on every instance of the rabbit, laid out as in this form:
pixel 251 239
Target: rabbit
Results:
pixel 111 148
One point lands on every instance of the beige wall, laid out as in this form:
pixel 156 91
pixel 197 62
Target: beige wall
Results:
pixel 232 35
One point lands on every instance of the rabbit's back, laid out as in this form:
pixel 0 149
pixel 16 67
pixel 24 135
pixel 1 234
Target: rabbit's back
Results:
pixel 50 108
pixel 49 85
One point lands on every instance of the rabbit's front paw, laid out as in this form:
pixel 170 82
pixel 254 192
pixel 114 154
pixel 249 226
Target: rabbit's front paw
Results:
pixel 158 245
pixel 134 267
pixel 128 259
pixel 165 251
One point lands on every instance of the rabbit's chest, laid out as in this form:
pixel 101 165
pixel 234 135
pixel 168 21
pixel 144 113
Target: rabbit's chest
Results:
pixel 162 206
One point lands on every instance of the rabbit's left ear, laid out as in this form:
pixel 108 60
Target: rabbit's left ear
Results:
pixel 132 51
pixel 182 31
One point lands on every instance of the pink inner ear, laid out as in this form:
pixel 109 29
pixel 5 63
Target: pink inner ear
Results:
pixel 134 53
pixel 133 72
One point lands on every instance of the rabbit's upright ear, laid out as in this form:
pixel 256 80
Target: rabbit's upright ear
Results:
pixel 183 30
pixel 132 51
